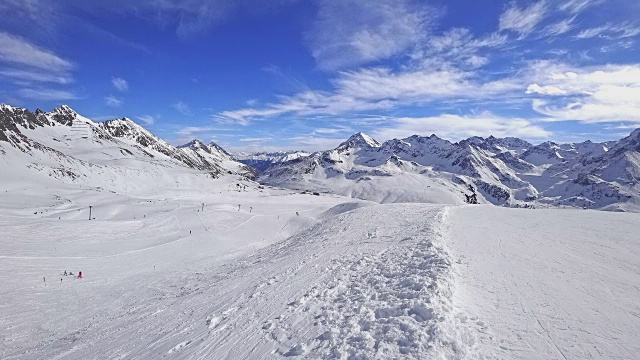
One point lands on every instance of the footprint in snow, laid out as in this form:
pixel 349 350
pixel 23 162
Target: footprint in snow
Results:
pixel 212 321
pixel 179 346
pixel 299 349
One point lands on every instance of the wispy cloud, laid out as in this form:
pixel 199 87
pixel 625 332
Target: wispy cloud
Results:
pixel 289 80
pixel 348 33
pixel 120 84
pixel 559 28
pixel 577 6
pixel 334 130
pixel 192 130
pixel 611 31
pixel 47 94
pixel 375 89
pixel 36 76
pixel 113 101
pixel 523 20
pixel 608 93
pixel 182 108
pixel 458 127
pixel 456 47
pixel 17 50
pixel 27 63
pixel 147 119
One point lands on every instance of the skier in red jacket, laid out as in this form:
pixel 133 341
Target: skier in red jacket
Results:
pixel 79 274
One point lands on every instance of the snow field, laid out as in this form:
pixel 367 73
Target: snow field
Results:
pixel 338 287
pixel 118 257
pixel 343 279
pixel 548 284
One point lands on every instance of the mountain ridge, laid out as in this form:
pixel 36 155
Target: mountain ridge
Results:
pixel 111 154
pixel 503 171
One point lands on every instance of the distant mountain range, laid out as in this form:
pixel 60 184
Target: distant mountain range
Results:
pixel 506 171
pixel 117 155
pixel 261 161
pixel 62 146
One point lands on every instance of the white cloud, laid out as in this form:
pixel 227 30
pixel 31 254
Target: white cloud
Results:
pixel 189 131
pixel 457 46
pixel 456 127
pixel 609 103
pixel 585 80
pixel 475 61
pixel 147 119
pixel 16 50
pixel 545 90
pixel 376 89
pixel 560 27
pixel 351 32
pixel 36 76
pixel 47 94
pixel 592 94
pixel 611 31
pixel 577 6
pixel 120 84
pixel 113 101
pixel 27 64
pixel 334 130
pixel 182 108
pixel 523 20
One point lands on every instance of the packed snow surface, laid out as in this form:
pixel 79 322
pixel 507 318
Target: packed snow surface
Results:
pixel 548 284
pixel 302 276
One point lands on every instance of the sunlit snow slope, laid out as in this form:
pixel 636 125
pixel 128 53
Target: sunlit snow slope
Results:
pixel 548 284
pixel 338 279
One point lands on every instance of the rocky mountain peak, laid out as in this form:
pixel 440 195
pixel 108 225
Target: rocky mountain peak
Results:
pixel 359 140
pixel 195 143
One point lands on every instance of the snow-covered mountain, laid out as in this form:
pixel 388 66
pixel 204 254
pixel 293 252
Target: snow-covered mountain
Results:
pixel 507 171
pixel 63 146
pixel 263 160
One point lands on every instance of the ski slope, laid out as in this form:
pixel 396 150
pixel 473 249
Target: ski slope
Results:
pixel 339 279
pixel 548 284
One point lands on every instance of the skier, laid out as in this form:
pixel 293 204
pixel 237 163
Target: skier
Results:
pixel 79 274
pixel 65 273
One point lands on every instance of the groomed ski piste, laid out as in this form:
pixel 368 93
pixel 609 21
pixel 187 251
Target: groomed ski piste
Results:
pixel 268 273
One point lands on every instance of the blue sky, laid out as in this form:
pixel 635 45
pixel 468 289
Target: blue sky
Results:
pixel 306 74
